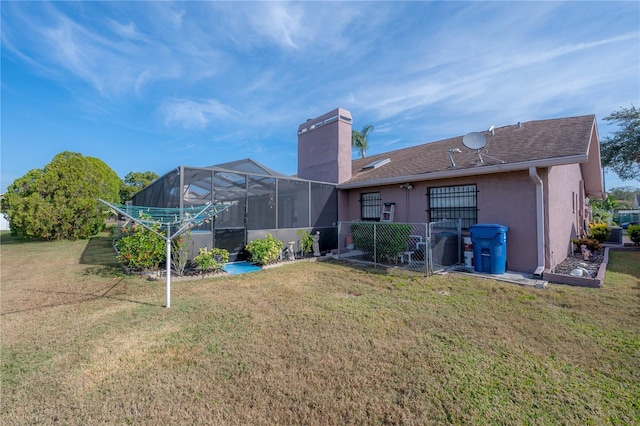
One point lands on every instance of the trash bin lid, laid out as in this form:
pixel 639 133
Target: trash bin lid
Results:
pixel 487 230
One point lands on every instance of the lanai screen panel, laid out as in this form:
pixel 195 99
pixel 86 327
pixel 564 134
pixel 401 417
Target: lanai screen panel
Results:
pixel 261 202
pixel 230 187
pixel 164 192
pixel 324 205
pixel 196 187
pixel 229 225
pixel 293 203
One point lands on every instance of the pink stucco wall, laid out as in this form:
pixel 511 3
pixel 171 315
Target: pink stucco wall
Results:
pixel 510 199
pixel 503 198
pixel 506 198
pixel 564 198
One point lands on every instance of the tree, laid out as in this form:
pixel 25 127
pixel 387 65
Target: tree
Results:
pixel 625 195
pixel 135 182
pixel 603 209
pixel 60 201
pixel 621 152
pixel 359 140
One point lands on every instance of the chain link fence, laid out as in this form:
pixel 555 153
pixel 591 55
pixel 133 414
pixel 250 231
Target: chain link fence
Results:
pixel 445 245
pixel 420 247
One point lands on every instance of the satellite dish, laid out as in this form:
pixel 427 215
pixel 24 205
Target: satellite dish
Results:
pixel 474 140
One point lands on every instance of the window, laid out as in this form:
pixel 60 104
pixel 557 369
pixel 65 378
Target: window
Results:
pixel 454 202
pixel 370 203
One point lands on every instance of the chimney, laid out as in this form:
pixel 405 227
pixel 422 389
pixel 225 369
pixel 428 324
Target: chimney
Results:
pixel 324 147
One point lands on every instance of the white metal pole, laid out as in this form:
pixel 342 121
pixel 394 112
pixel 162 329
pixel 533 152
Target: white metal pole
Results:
pixel 168 262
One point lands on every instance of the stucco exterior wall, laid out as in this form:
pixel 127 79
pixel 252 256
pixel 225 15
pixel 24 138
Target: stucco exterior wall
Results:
pixel 509 199
pixel 506 198
pixel 565 212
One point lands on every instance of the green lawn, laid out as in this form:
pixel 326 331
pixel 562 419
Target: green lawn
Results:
pixel 309 343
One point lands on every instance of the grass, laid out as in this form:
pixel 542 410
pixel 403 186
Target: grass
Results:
pixel 311 343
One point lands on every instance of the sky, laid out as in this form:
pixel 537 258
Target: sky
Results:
pixel 149 86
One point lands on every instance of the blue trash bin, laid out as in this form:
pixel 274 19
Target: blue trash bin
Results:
pixel 489 248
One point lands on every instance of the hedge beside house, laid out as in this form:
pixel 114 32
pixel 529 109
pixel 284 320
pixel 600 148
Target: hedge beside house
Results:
pixel 380 240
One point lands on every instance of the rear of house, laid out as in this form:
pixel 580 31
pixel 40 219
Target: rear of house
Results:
pixel 535 178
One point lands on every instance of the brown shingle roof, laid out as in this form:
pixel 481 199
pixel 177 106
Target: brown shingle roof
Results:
pixel 533 140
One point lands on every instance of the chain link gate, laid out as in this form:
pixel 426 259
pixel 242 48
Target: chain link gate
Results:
pixel 445 248
pixel 419 247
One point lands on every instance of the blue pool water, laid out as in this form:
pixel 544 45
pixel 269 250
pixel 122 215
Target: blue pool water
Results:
pixel 235 268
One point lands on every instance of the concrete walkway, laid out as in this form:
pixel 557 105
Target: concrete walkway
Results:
pixel 510 276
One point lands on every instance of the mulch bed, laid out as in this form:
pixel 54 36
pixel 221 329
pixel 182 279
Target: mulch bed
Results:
pixel 576 261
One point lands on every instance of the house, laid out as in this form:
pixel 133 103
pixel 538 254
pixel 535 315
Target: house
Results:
pixel 534 177
pixel 4 223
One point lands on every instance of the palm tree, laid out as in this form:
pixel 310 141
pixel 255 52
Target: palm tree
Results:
pixel 359 139
pixel 603 209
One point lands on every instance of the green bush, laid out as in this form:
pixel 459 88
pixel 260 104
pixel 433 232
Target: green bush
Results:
pixel 391 238
pixel 599 231
pixel 180 250
pixel 264 251
pixel 634 234
pixel 139 248
pixel 592 244
pixel 60 201
pixel 306 241
pixel 362 234
pixel 212 260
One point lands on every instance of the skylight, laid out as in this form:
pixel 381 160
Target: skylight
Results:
pixel 376 164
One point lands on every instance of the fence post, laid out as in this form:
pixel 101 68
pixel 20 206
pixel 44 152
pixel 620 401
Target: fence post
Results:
pixel 375 244
pixel 430 235
pixel 427 249
pixel 459 241
pixel 339 234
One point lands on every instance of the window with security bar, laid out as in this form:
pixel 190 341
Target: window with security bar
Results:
pixel 370 206
pixel 454 202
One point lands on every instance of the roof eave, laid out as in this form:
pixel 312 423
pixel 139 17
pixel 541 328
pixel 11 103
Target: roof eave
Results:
pixel 474 171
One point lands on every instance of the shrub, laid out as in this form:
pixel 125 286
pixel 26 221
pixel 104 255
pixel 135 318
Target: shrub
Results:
pixel 634 234
pixel 139 248
pixel 264 251
pixel 599 231
pixel 212 260
pixel 362 234
pixel 391 238
pixel 180 249
pixel 592 244
pixel 306 241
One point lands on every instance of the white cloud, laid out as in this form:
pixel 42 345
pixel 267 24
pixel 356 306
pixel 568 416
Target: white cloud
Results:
pixel 195 115
pixel 124 30
pixel 280 22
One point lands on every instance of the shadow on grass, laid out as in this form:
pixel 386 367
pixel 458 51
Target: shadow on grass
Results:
pixel 6 239
pixel 101 261
pixel 81 298
pixel 99 251
pixel 100 255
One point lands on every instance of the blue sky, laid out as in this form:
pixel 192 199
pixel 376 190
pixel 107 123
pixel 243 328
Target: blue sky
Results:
pixel 153 85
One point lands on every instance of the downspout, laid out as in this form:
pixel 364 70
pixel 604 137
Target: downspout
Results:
pixel 533 174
